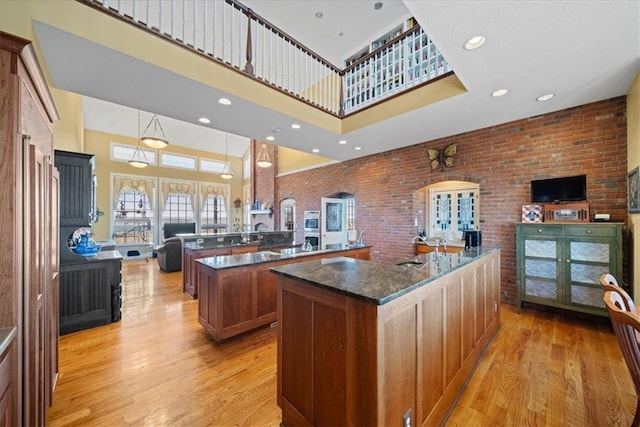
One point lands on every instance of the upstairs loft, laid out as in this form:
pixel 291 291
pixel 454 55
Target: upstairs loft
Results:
pixel 246 58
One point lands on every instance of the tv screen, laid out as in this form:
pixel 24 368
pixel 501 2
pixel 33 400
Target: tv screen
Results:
pixel 555 190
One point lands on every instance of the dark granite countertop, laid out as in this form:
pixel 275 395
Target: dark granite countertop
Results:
pixel 378 282
pixel 213 245
pixel 242 260
pixel 97 257
pixel 6 334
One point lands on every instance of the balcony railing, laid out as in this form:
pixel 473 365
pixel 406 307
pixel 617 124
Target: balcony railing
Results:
pixel 228 32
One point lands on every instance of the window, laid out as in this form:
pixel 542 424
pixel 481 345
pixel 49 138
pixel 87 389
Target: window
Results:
pixel 133 217
pixel 213 166
pixel 177 201
pixel 453 206
pixel 124 153
pixel 351 213
pixel 179 161
pixel 288 215
pixel 214 210
pixel 246 166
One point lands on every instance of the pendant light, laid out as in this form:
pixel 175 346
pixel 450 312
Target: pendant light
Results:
pixel 263 157
pixel 227 173
pixel 156 140
pixel 139 158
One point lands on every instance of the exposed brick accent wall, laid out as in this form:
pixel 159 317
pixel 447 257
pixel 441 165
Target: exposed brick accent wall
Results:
pixel 503 159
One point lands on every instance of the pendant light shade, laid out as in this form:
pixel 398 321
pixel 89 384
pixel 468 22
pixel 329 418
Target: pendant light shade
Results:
pixel 263 157
pixel 157 138
pixel 139 158
pixel 227 173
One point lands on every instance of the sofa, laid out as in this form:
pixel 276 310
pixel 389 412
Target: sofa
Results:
pixel 170 252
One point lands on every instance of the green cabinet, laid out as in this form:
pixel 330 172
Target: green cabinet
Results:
pixel 560 264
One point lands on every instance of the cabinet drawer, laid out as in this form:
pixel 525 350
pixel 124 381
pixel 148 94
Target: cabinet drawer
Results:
pixel 541 230
pixel 587 231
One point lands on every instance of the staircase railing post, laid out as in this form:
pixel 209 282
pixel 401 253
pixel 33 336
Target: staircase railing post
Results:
pixel 248 67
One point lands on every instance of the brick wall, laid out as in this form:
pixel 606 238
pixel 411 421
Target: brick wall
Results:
pixel 503 159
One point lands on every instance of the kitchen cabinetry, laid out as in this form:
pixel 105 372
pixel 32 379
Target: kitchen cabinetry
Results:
pixel 76 188
pixel 345 360
pixel 234 300
pixel 8 378
pixel 90 292
pixel 27 193
pixel 190 268
pixel 560 265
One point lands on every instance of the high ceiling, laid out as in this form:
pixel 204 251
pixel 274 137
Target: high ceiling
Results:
pixel 581 51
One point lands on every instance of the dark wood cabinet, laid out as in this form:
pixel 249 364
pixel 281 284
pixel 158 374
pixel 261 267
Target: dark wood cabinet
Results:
pixel 346 361
pixel 235 300
pixel 76 188
pixel 190 268
pixel 28 192
pixel 90 292
pixel 8 386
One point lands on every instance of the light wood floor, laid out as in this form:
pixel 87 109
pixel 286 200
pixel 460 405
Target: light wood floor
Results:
pixel 158 367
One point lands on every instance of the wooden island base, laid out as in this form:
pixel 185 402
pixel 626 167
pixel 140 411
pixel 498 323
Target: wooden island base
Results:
pixel 239 298
pixel 347 361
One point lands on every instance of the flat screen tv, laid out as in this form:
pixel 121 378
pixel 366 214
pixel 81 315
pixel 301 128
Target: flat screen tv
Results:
pixel 555 190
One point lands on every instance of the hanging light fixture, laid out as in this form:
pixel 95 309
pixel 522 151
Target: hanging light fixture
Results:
pixel 263 157
pixel 139 158
pixel 227 173
pixel 156 140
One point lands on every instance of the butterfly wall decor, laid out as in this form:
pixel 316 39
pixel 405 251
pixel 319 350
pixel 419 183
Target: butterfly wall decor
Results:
pixel 442 158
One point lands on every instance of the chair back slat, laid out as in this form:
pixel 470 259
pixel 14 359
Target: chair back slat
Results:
pixel 626 326
pixel 609 283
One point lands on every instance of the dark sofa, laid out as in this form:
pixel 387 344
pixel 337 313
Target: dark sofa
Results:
pixel 170 252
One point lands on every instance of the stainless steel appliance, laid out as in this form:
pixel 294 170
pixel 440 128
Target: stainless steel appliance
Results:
pixel 312 221
pixel 312 227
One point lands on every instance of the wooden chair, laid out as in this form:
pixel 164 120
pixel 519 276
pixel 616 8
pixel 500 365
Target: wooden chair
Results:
pixel 609 283
pixel 626 326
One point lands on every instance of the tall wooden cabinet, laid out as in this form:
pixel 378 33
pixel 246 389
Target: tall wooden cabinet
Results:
pixel 28 208
pixel 560 264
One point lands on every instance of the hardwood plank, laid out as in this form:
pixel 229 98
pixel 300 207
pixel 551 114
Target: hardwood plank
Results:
pixel 157 366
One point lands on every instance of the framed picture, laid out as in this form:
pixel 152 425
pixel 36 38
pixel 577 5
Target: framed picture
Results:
pixel 633 190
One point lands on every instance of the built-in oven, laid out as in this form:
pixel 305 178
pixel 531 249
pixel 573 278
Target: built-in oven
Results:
pixel 313 239
pixel 312 222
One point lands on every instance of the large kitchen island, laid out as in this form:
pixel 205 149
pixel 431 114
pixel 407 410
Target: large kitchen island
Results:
pixel 364 343
pixel 237 293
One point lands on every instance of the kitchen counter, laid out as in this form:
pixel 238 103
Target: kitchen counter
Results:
pixel 366 343
pixel 377 282
pixel 97 257
pixel 242 260
pixel 237 293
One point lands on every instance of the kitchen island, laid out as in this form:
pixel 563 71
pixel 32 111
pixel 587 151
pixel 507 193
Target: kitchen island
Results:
pixel 364 343
pixel 237 293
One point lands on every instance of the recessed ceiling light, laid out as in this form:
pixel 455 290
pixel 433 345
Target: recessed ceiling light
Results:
pixel 474 42
pixel 357 148
pixel 315 150
pixel 270 138
pixel 342 141
pixel 204 120
pixel 224 101
pixel 319 15
pixel 545 97
pixel 295 126
pixel 500 92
